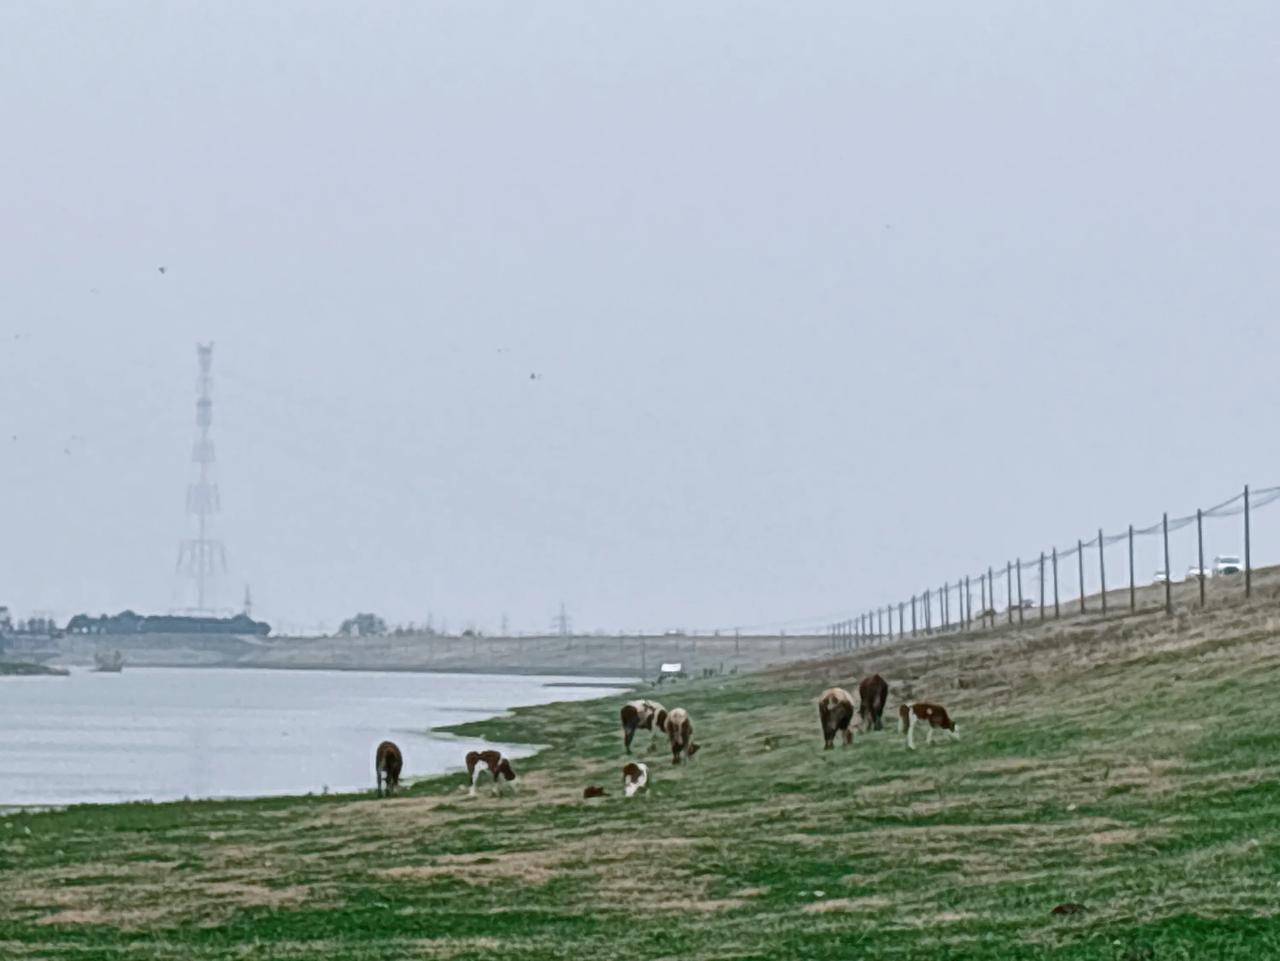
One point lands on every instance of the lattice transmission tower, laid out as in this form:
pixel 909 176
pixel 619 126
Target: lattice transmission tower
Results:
pixel 203 557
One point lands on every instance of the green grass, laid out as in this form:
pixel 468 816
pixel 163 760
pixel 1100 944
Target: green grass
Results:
pixel 1134 772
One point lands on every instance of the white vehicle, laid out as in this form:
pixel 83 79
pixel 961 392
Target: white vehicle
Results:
pixel 1194 573
pixel 1227 564
pixel 1161 577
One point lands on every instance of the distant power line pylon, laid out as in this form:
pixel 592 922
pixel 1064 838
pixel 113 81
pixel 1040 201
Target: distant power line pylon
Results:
pixel 203 557
pixel 560 623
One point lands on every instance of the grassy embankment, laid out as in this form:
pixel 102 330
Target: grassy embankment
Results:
pixel 1130 765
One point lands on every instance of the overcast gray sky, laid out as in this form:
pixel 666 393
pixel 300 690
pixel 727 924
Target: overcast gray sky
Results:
pixel 829 302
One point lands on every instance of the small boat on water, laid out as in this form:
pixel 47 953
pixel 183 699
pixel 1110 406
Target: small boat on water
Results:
pixel 111 662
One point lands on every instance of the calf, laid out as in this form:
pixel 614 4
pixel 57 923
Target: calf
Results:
pixel 680 733
pixel 934 715
pixel 492 763
pixel 635 779
pixel 387 763
pixel 874 693
pixel 649 715
pixel 835 711
pixel 594 791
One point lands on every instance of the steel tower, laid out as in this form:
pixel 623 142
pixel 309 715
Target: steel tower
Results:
pixel 203 557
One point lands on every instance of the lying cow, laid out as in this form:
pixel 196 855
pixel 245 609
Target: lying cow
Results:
pixel 480 763
pixel 387 764
pixel 649 715
pixel 635 779
pixel 594 790
pixel 874 693
pixel 934 715
pixel 680 733
pixel 835 711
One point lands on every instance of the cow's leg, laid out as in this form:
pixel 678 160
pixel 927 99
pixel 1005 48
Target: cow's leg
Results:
pixel 628 732
pixel 475 779
pixel 675 752
pixel 929 738
pixel 911 732
pixel 378 789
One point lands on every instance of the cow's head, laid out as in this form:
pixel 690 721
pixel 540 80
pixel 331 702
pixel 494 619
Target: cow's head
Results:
pixel 504 770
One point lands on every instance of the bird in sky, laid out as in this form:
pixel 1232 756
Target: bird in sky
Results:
pixel 163 269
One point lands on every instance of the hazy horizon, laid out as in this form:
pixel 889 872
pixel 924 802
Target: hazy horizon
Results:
pixel 826 304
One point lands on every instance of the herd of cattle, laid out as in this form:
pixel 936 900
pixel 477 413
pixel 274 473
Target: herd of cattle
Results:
pixel 836 711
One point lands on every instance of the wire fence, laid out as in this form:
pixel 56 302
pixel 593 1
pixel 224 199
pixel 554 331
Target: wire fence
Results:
pixel 1057 582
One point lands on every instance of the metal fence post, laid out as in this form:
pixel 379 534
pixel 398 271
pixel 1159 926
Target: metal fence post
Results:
pixel 1042 585
pixel 968 604
pixel 1200 551
pixel 913 615
pixel 991 595
pixel 1008 588
pixel 1057 608
pixel 1168 574
pixel 1020 618
pixel 1080 559
pixel 1102 572
pixel 1133 589
pixel 1248 565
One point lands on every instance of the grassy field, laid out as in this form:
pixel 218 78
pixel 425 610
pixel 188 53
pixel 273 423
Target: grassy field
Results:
pixel 1130 765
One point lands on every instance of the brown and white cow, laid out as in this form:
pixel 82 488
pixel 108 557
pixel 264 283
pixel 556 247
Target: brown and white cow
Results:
pixel 679 730
pixel 387 764
pixel 480 763
pixel 932 715
pixel 649 715
pixel 874 693
pixel 835 711
pixel 635 779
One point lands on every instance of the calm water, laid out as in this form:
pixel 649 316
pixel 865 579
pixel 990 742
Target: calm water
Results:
pixel 162 734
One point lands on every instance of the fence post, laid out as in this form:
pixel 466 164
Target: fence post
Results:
pixel 1168 574
pixel 1102 572
pixel 879 623
pixel 991 595
pixel 1080 560
pixel 968 604
pixel 1057 609
pixel 1133 590
pixel 902 623
pixel 1042 586
pixel 1008 588
pixel 1200 550
pixel 913 615
pixel 1248 566
pixel 944 605
pixel 1020 618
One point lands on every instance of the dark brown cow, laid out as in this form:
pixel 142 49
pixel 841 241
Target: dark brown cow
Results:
pixel 387 764
pixel 933 715
pixel 594 791
pixel 874 693
pixel 679 730
pixel 835 711
pixel 649 715
pixel 492 763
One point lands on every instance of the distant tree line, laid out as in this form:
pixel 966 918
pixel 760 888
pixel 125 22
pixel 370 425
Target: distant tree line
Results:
pixel 128 622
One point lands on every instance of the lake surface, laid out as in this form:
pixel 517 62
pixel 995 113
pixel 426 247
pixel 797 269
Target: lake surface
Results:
pixel 163 734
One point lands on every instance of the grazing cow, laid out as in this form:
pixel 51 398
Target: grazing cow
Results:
pixel 874 692
pixel 594 791
pixel 387 763
pixel 680 733
pixel 934 715
pixel 491 763
pixel 635 779
pixel 649 715
pixel 835 711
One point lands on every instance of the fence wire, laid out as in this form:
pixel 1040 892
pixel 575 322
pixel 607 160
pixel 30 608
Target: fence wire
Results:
pixel 934 609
